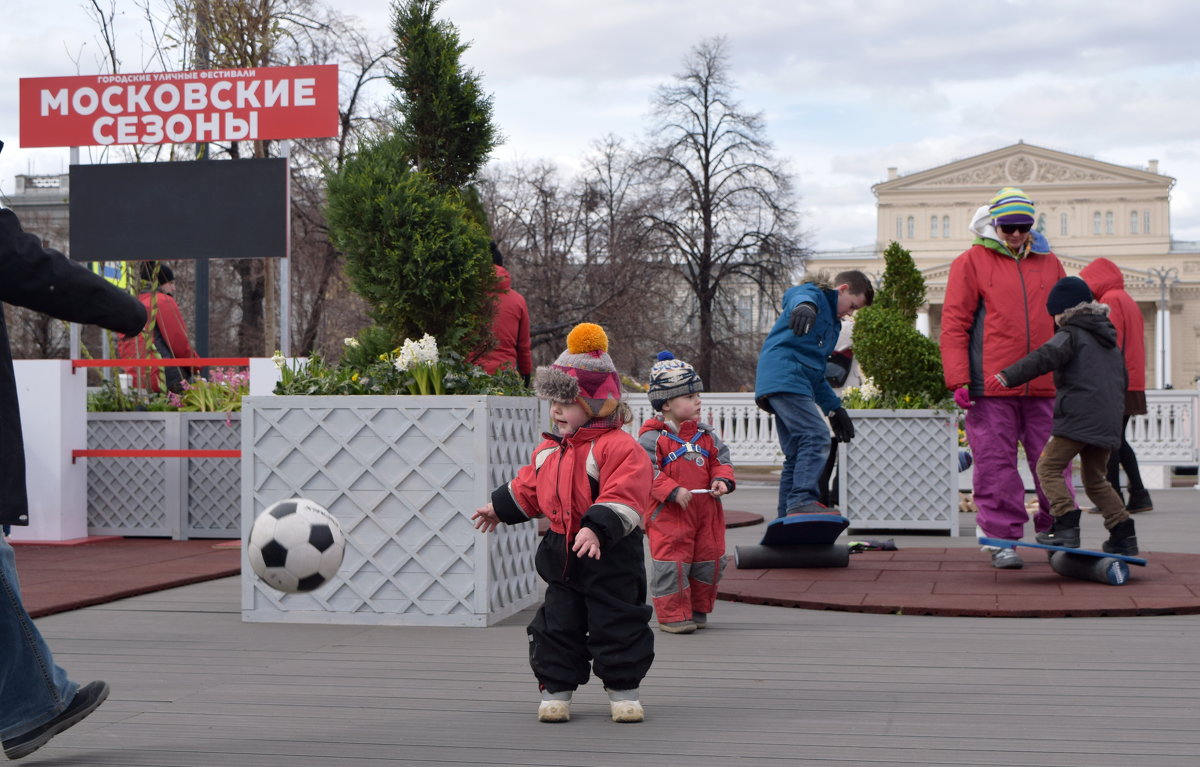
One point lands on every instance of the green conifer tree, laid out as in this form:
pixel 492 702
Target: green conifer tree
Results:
pixel 905 365
pixel 402 210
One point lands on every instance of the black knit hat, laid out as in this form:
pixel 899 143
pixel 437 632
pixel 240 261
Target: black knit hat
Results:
pixel 155 272
pixel 1066 293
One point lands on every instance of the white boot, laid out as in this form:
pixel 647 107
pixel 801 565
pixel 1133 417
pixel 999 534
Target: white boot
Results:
pixel 555 707
pixel 625 705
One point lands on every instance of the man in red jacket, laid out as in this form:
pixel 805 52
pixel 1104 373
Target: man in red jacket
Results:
pixel 1108 286
pixel 993 316
pixel 165 335
pixel 510 327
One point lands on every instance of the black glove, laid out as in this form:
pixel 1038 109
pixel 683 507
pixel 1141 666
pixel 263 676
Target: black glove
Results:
pixel 843 428
pixel 802 318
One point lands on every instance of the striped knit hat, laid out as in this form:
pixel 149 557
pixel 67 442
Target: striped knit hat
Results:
pixel 584 373
pixel 1011 206
pixel 670 378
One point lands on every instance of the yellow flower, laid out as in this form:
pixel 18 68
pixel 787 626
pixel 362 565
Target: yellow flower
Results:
pixel 354 378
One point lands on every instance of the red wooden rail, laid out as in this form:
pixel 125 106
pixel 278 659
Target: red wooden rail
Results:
pixel 155 454
pixel 188 362
pixel 192 362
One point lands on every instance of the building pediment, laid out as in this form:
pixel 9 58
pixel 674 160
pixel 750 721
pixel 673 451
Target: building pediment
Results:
pixel 1023 165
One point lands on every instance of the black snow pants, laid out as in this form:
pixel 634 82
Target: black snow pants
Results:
pixel 595 610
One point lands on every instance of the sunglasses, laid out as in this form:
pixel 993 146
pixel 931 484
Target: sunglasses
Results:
pixel 1012 228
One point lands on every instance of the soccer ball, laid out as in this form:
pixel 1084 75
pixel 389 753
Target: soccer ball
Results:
pixel 296 546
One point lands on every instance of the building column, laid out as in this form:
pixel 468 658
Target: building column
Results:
pixel 923 320
pixel 1162 327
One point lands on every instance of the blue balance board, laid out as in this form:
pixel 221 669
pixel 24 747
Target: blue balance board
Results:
pixel 804 528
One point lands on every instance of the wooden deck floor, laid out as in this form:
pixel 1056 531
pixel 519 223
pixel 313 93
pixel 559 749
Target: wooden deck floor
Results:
pixel 194 686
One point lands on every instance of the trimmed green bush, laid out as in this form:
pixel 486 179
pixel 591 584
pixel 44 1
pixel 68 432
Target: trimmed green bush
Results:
pixel 413 251
pixel 904 365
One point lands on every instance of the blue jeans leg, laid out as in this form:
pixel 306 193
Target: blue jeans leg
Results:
pixel 33 690
pixel 804 439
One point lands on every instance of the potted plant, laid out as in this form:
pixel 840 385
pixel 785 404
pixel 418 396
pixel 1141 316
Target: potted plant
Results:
pixel 188 497
pixel 901 469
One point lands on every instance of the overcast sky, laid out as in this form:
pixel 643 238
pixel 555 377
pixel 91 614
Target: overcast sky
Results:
pixel 847 88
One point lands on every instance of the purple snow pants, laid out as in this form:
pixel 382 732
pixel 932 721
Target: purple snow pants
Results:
pixel 994 426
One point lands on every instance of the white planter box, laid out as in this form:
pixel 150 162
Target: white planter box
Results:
pixel 176 497
pixel 403 475
pixel 900 472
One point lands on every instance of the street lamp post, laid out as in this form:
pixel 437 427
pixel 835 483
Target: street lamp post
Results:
pixel 1165 277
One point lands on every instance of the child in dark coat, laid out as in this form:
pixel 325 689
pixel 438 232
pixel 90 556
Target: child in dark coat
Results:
pixel 591 480
pixel 684 518
pixel 1090 377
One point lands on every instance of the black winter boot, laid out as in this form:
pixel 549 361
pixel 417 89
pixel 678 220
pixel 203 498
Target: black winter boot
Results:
pixel 1064 532
pixel 1139 502
pixel 1122 539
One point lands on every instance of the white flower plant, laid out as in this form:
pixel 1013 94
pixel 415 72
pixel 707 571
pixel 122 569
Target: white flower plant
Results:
pixel 420 359
pixel 415 367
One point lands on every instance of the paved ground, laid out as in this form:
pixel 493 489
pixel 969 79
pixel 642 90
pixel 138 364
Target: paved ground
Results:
pixel 194 686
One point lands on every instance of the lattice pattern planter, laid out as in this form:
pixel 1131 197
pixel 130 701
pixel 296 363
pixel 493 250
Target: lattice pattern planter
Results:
pixel 900 472
pixel 403 476
pixel 175 497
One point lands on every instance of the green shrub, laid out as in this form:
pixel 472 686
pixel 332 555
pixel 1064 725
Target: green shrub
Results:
pixel 413 251
pixel 904 366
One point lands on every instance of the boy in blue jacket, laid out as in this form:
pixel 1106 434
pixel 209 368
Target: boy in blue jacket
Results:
pixel 790 382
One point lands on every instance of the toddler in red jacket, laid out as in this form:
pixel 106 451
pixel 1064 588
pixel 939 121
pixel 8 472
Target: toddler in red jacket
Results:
pixel 590 479
pixel 684 518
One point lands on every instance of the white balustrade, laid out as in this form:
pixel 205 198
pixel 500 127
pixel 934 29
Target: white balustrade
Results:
pixel 1168 434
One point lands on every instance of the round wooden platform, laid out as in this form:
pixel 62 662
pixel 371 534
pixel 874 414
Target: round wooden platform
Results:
pixel 962 582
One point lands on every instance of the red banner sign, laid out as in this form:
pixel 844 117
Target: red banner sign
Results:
pixel 180 107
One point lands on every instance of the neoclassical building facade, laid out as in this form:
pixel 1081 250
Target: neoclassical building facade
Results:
pixel 1086 208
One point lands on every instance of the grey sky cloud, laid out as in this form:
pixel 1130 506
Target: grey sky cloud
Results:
pixel 847 88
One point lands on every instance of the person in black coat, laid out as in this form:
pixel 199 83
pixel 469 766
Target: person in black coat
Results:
pixel 1090 378
pixel 37 698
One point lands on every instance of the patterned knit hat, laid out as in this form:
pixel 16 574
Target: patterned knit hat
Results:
pixel 1011 206
pixel 671 378
pixel 584 373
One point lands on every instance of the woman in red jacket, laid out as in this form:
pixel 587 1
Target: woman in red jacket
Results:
pixel 1108 286
pixel 165 335
pixel 994 315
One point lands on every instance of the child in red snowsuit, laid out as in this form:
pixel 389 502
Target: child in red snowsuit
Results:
pixel 684 518
pixel 591 480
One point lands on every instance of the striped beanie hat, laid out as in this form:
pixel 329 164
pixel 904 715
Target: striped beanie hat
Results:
pixel 584 373
pixel 1011 206
pixel 671 378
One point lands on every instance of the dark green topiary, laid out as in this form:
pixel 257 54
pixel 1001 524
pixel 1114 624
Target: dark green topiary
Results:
pixel 905 365
pixel 413 252
pixel 403 210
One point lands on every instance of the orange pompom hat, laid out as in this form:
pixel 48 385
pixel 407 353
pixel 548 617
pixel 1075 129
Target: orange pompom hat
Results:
pixel 584 373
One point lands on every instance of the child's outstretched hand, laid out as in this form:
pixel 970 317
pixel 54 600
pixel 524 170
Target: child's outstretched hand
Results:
pixel 683 497
pixel 485 518
pixel 586 543
pixel 718 488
